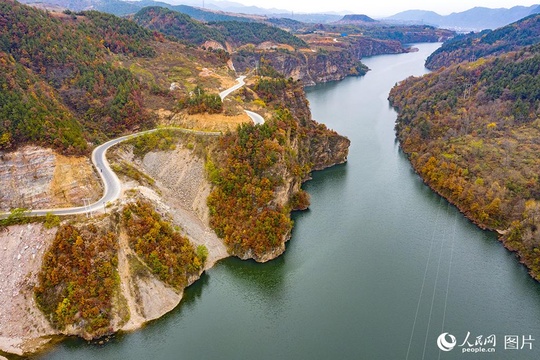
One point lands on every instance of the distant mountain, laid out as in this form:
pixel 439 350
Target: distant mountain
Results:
pixel 417 17
pixel 475 19
pixel 116 6
pixel 213 11
pixel 473 46
pixel 235 7
pixel 356 19
pixel 310 18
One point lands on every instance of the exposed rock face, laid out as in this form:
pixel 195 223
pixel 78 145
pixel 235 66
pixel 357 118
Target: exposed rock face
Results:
pixel 180 177
pixel 25 177
pixel 329 150
pixel 318 67
pixel 363 47
pixel 23 327
pixel 181 181
pixel 38 178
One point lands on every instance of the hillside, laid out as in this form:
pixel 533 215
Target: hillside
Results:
pixel 476 45
pixel 96 76
pixel 76 83
pixel 405 34
pixel 226 33
pixel 189 198
pixel 178 25
pixel 475 19
pixel 356 19
pixel 471 131
pixel 31 111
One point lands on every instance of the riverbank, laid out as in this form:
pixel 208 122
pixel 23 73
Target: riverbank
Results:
pixel 179 193
pixel 478 151
pixel 367 241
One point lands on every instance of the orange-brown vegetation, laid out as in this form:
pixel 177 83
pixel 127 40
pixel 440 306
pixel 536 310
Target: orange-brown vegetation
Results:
pixel 471 131
pixel 79 280
pixel 168 254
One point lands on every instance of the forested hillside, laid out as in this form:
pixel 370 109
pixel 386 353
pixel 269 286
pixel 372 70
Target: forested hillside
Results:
pixel 31 111
pixel 254 165
pixel 75 82
pixel 178 25
pixel 405 34
pixel 240 33
pixel 471 131
pixel 473 46
pixel 237 33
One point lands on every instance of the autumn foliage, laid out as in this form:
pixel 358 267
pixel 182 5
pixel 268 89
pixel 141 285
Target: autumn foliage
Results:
pixel 79 280
pixel 471 131
pixel 58 85
pixel 473 46
pixel 242 206
pixel 168 254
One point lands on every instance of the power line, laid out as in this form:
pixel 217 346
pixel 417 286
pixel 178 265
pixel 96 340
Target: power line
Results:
pixel 434 291
pixel 425 276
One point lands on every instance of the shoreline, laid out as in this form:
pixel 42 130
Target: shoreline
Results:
pixel 498 232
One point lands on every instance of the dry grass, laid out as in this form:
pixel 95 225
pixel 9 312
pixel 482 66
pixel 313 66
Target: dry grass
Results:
pixel 215 122
pixel 175 63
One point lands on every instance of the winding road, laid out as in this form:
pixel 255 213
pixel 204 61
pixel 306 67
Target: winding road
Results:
pixel 257 119
pixel 240 83
pixel 112 187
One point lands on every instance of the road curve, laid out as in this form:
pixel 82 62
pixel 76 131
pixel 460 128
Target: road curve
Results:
pixel 112 186
pixel 240 83
pixel 257 119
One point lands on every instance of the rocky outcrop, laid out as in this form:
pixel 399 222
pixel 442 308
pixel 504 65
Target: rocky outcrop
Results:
pixel 23 327
pixel 364 46
pixel 39 178
pixel 25 177
pixel 318 67
pixel 328 149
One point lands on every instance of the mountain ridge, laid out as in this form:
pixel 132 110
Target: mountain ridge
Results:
pixel 472 46
pixel 474 19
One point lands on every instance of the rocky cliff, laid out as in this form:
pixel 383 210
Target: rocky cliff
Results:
pixel 257 171
pixel 40 178
pixel 321 66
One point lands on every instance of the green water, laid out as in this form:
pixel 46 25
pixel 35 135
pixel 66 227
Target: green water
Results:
pixel 377 256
